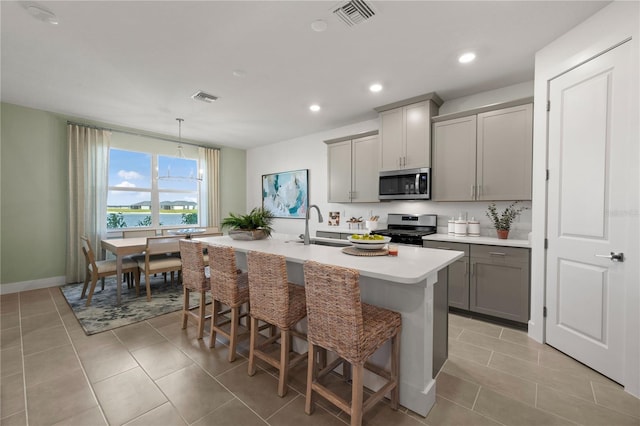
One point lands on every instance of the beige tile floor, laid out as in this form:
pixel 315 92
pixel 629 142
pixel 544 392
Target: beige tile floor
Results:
pixel 154 373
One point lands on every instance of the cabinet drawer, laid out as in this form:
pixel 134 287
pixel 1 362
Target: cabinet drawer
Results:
pixel 508 254
pixel 447 246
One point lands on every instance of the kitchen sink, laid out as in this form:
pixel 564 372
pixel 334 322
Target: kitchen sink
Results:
pixel 338 243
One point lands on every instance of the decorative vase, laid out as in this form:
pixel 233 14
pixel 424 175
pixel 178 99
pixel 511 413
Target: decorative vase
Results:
pixel 247 235
pixel 503 234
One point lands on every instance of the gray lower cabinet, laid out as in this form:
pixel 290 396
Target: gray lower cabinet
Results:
pixel 499 284
pixel 490 280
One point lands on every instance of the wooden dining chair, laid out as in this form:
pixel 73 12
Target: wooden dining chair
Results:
pixel 103 268
pixel 138 233
pixel 159 258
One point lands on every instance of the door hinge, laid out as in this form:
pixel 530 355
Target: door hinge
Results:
pixel 544 312
pixel 548 105
pixel 546 243
pixel 547 175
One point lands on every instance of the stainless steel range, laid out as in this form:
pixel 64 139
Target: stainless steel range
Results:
pixel 408 228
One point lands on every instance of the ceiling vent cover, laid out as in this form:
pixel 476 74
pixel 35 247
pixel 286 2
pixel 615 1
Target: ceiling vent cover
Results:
pixel 354 12
pixel 204 97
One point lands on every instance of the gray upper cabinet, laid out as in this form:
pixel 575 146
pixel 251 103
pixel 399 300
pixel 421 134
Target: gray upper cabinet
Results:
pixel 505 149
pixel 353 166
pixel 405 132
pixel 485 156
pixel 454 159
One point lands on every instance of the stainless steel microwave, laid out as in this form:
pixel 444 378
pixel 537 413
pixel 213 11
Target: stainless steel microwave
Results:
pixel 409 184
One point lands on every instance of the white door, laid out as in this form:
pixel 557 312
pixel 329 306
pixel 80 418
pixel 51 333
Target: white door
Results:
pixel 590 210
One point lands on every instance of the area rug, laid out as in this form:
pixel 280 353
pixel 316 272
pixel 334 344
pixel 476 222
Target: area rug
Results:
pixel 103 314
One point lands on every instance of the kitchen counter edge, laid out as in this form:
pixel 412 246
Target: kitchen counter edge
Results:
pixel 489 241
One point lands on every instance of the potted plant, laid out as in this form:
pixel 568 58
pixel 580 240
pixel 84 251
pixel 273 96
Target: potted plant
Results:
pixel 502 221
pixel 253 226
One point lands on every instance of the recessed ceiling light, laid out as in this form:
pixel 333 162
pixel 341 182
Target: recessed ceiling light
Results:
pixel 319 25
pixel 465 58
pixel 376 87
pixel 42 14
pixel 315 107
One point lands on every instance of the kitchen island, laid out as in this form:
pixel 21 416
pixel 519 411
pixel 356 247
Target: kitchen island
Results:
pixel 404 284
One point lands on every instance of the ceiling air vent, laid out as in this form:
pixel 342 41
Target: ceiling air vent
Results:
pixel 354 12
pixel 204 97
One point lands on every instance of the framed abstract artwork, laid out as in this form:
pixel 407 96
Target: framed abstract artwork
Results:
pixel 286 194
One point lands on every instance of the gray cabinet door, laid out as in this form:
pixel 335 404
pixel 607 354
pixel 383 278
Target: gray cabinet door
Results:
pixel 505 146
pixel 499 284
pixel 459 284
pixel 364 179
pixel 454 159
pixel 339 172
pixel 417 122
pixel 458 275
pixel 392 139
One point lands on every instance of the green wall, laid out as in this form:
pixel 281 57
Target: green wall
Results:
pixel 33 197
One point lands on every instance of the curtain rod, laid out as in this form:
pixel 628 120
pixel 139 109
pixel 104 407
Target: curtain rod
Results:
pixel 127 132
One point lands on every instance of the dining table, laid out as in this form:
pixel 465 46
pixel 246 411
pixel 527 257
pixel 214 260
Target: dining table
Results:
pixel 122 247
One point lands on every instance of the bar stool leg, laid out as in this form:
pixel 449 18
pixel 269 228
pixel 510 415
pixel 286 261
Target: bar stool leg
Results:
pixel 215 307
pixel 185 307
pixel 252 346
pixel 312 373
pixel 357 395
pixel 285 347
pixel 395 370
pixel 233 339
pixel 201 313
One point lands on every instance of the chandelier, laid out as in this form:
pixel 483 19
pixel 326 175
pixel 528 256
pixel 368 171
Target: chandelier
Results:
pixel 191 176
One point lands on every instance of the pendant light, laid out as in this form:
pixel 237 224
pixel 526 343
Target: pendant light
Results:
pixel 168 176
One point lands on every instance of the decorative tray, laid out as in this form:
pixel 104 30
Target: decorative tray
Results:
pixel 358 252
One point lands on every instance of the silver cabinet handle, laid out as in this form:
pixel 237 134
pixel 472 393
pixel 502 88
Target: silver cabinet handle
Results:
pixel 614 257
pixel 473 190
pixel 497 253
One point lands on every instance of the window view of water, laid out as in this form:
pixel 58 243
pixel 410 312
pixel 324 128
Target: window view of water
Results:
pixel 166 219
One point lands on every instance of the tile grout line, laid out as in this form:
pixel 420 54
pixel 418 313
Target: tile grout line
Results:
pixel 147 374
pixel 84 372
pixel 24 375
pixel 476 398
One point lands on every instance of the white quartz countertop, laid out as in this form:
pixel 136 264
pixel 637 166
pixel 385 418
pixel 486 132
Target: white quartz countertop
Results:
pixel 412 265
pixel 478 240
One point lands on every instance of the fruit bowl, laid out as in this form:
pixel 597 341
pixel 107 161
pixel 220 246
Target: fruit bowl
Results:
pixel 368 242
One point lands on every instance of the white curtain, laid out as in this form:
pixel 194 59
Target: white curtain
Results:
pixel 88 184
pixel 210 209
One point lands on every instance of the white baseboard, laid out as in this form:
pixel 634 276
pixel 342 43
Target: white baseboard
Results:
pixel 32 285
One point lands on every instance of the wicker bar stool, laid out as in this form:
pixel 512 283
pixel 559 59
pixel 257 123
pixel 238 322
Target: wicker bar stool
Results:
pixel 276 301
pixel 338 321
pixel 195 277
pixel 229 286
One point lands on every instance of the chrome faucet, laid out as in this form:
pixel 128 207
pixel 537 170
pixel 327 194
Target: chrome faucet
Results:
pixel 307 240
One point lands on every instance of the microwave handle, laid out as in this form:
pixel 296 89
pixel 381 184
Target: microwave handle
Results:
pixel 417 186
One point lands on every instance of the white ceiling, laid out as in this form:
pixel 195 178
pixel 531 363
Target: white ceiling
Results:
pixel 136 64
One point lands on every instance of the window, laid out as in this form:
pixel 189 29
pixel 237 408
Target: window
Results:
pixel 138 200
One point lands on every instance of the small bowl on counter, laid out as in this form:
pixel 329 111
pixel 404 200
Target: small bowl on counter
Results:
pixel 366 242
